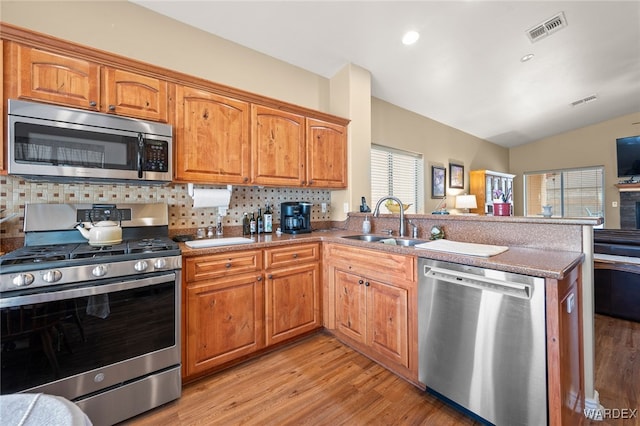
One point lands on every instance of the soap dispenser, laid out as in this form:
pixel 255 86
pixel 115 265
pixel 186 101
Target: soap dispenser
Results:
pixel 366 225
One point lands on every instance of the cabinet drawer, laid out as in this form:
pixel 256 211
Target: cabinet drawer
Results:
pixel 378 263
pixel 291 255
pixel 221 265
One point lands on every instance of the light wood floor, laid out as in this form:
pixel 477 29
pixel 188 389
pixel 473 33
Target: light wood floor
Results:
pixel 319 381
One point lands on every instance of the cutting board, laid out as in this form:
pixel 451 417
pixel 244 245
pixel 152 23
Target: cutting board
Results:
pixel 471 249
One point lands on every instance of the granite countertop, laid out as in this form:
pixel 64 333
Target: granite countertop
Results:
pixel 552 264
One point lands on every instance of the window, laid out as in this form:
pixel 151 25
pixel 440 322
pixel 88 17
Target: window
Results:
pixel 570 192
pixel 397 173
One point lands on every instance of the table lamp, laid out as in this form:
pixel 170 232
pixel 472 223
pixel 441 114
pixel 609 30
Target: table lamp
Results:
pixel 466 202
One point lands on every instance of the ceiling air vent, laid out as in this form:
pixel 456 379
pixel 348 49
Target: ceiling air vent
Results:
pixel 583 101
pixel 548 27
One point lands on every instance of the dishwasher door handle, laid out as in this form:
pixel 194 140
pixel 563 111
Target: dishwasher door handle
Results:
pixel 522 291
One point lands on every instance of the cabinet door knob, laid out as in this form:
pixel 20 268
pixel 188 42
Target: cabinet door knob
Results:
pixel 270 276
pixel 295 255
pixel 259 278
pixel 112 107
pixel 227 265
pixel 366 284
pixel 360 281
pixel 93 103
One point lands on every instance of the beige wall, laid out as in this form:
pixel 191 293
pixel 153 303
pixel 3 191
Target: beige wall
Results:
pixel 439 144
pixel 590 146
pixel 124 28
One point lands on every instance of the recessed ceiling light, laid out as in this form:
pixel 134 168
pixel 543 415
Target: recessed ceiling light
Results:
pixel 410 37
pixel 528 57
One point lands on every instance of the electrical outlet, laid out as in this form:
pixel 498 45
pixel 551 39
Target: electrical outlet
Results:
pixel 323 207
pixel 345 207
pixel 614 204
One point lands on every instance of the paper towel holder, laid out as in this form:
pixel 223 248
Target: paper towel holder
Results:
pixel 190 189
pixel 221 210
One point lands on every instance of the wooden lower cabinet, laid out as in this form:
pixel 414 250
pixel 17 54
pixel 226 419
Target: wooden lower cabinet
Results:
pixel 223 309
pixel 373 313
pixel 373 308
pixel 224 320
pixel 292 302
pixel 564 350
pixel 234 307
pixel 292 295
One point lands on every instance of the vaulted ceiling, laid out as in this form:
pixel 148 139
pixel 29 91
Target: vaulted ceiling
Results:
pixel 466 69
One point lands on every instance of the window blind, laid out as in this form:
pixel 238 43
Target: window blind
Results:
pixel 570 192
pixel 397 173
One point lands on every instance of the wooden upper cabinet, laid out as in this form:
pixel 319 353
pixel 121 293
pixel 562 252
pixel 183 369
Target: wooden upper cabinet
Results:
pixel 135 95
pixel 64 80
pixel 277 147
pixel 49 77
pixel 212 138
pixel 326 154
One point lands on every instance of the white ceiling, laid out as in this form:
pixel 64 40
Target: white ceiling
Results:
pixel 465 70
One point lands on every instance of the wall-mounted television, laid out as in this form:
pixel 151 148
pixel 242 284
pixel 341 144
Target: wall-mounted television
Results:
pixel 628 152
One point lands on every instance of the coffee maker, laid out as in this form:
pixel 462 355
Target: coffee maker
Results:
pixel 295 217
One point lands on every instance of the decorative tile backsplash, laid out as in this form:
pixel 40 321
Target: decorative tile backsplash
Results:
pixel 16 192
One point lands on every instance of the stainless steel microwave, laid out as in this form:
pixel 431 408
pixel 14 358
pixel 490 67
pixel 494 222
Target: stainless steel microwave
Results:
pixel 53 143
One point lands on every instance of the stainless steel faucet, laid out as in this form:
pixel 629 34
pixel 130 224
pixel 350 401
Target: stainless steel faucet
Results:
pixel 376 211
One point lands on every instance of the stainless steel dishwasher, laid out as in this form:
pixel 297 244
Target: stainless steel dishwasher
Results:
pixel 482 344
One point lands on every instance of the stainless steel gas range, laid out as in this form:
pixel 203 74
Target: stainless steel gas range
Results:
pixel 96 324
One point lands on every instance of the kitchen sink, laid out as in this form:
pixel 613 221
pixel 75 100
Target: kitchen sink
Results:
pixel 367 238
pixel 405 242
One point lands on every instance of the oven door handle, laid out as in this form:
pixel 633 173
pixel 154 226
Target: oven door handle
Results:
pixel 72 293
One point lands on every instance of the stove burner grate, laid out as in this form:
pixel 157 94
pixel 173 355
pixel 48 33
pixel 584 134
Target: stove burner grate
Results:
pixel 94 252
pixel 38 254
pixel 150 245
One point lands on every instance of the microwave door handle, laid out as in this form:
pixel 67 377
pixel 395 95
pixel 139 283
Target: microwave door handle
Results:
pixel 140 153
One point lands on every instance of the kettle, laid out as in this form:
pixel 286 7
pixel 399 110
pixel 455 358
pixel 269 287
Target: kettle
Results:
pixel 103 233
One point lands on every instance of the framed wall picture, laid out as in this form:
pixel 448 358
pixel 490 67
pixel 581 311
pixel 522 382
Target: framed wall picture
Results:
pixel 438 181
pixel 456 176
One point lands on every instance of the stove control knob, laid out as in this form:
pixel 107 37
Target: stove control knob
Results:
pixel 23 280
pixel 141 266
pixel 52 276
pixel 160 263
pixel 99 271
